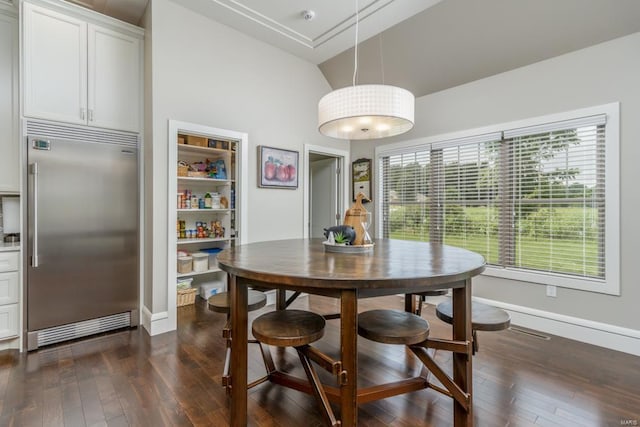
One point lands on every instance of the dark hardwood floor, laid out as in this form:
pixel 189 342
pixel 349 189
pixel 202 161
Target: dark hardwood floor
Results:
pixel 127 378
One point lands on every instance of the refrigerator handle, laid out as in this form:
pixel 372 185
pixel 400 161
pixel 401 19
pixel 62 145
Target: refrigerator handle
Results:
pixel 33 170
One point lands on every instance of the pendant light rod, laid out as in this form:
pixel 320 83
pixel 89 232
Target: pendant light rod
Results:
pixel 365 111
pixel 355 59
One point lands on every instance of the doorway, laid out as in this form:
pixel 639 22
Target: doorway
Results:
pixel 326 189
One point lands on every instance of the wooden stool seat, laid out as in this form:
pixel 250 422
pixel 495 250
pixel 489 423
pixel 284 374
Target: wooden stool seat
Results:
pixel 220 302
pixel 437 293
pixel 288 328
pixel 483 318
pixel 392 327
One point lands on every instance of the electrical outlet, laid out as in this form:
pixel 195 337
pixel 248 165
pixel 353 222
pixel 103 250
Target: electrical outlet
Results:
pixel 551 291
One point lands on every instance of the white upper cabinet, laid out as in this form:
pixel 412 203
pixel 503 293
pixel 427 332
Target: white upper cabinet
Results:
pixel 79 72
pixel 55 66
pixel 9 144
pixel 114 70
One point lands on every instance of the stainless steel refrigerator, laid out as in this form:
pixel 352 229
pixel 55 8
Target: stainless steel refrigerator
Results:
pixel 82 245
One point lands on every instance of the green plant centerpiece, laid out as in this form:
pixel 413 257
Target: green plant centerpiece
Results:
pixel 340 238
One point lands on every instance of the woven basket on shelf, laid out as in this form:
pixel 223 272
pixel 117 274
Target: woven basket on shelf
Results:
pixel 186 296
pixel 183 170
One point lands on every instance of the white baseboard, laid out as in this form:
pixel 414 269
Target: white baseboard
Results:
pixel 10 344
pixel 596 333
pixel 156 323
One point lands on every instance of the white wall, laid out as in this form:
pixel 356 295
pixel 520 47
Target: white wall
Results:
pixel 601 74
pixel 204 72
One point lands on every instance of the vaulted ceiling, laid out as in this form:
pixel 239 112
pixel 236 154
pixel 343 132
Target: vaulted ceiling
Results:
pixel 422 45
pixel 459 41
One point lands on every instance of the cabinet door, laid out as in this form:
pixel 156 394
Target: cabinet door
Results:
pixel 9 288
pixel 114 79
pixel 8 321
pixel 9 144
pixel 9 261
pixel 55 65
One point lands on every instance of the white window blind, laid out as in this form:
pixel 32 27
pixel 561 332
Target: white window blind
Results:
pixel 556 183
pixel 467 197
pixel 406 195
pixel 530 199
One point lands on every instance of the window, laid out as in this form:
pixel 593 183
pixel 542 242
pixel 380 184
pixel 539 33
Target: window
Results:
pixel 405 196
pixel 530 197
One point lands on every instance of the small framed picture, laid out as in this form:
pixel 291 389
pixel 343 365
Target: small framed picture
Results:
pixel 361 178
pixel 277 168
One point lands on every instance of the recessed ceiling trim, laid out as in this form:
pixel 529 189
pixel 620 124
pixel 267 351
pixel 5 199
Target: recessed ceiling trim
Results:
pixel 265 21
pixel 348 23
pixel 311 43
pixel 280 24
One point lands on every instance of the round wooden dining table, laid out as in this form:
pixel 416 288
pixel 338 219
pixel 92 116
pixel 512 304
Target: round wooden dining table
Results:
pixel 392 267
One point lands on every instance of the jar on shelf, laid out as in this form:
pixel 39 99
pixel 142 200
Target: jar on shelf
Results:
pixel 215 200
pixel 185 264
pixel 200 261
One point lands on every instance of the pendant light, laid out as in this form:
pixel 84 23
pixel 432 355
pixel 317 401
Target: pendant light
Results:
pixel 365 111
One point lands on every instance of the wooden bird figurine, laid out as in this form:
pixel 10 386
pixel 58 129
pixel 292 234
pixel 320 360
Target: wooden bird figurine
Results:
pixel 354 217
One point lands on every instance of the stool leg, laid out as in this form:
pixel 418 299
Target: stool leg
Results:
pixel 318 390
pixel 413 304
pixel 474 345
pixel 419 305
pixel 226 333
pixel 227 366
pixel 269 366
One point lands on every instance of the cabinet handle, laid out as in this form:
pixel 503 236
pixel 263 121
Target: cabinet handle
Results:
pixel 33 170
pixel 90 115
pixel 82 114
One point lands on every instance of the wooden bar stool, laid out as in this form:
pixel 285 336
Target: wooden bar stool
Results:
pixel 298 329
pixel 483 318
pixel 220 304
pixel 392 327
pixel 411 330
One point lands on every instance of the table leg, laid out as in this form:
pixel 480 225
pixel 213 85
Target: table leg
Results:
pixel 349 357
pixel 410 305
pixel 281 299
pixel 462 366
pixel 239 302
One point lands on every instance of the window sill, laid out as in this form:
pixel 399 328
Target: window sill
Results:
pixel 559 280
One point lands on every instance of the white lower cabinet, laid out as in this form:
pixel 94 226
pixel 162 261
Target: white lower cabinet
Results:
pixel 8 261
pixel 9 288
pixel 9 294
pixel 8 321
